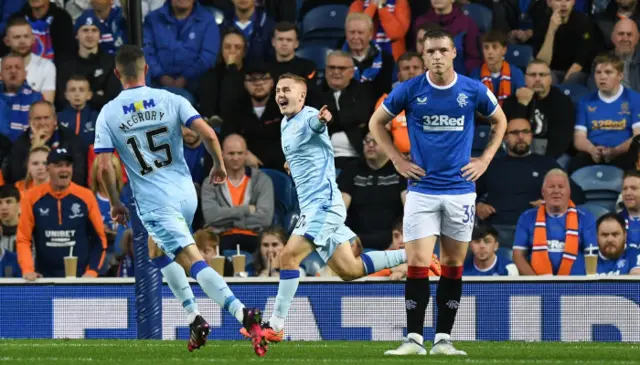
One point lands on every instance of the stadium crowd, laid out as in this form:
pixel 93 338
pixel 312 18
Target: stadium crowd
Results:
pixel 566 72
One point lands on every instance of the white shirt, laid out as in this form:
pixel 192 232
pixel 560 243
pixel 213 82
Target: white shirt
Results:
pixel 41 74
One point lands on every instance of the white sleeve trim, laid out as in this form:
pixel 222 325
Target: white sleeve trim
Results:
pixel 520 247
pixel 493 112
pixel 635 125
pixel 387 110
pixel 581 128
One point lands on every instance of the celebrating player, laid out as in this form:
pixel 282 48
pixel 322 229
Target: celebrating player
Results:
pixel 144 126
pixel 309 154
pixel 440 108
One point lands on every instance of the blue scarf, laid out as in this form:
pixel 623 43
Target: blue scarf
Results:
pixel 368 74
pixel 43 45
pixel 381 36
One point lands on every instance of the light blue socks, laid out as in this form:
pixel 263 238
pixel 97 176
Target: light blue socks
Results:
pixel 375 261
pixel 175 276
pixel 287 288
pixel 216 288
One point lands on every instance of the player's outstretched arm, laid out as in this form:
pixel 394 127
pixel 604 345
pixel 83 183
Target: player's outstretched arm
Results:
pixel 377 124
pixel 108 177
pixel 477 166
pixel 211 143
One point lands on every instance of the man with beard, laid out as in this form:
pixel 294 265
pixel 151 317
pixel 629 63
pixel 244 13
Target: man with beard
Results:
pixel 550 112
pixel 616 257
pixel 255 116
pixel 513 181
pixel 17 96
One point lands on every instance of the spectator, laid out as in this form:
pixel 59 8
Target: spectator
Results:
pixel 391 18
pixel 556 234
pixel 78 116
pixel 616 257
pixel 285 41
pixel 616 11
pixel 52 27
pixel 9 216
pixel 78 227
pixel 241 207
pixel 464 30
pixel 110 20
pixel 181 42
pixel 266 260
pixel 484 261
pixel 371 63
pixel 208 243
pixel 9 267
pixel 8 8
pixel 41 73
pixel 256 25
pixel 194 152
pixel 17 95
pixel 498 75
pixel 517 18
pixel 351 104
pixel 223 84
pixel 94 64
pixel 625 39
pixel 550 112
pixel 422 30
pixel 564 40
pixel 36 170
pixel 44 130
pixel 410 65
pixel 512 183
pixel 256 116
pixel 374 195
pixel 606 120
pixel 631 207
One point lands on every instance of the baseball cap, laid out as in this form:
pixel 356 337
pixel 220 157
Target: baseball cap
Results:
pixel 85 19
pixel 58 155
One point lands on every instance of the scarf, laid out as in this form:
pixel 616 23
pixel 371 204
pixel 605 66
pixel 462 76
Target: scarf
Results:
pixel 368 74
pixel 540 256
pixel 43 44
pixel 504 90
pixel 381 36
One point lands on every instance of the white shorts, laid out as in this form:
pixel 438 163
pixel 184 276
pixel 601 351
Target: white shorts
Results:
pixel 325 228
pixel 434 215
pixel 170 227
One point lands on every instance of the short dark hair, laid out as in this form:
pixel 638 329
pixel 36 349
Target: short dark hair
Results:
pixel 9 191
pixel 612 216
pixel 632 173
pixel 438 33
pixel 127 60
pixel 408 56
pixel 17 22
pixel 78 77
pixel 427 27
pixel 483 230
pixel 285 26
pixel 495 36
pixel 397 224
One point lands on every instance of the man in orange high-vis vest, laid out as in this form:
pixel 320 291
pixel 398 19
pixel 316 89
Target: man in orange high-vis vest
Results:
pixel 556 233
pixel 410 65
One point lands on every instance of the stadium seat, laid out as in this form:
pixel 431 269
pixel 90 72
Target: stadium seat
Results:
pixel 284 193
pixel 601 184
pixel 480 139
pixel 326 21
pixel 481 15
pixel 574 91
pixel 315 53
pixel 519 55
pixel 596 209
pixel 249 260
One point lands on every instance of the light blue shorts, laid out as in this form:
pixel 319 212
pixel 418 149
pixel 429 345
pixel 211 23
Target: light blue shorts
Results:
pixel 325 229
pixel 170 226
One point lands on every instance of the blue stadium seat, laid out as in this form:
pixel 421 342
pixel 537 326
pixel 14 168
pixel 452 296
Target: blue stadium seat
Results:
pixel 480 139
pixel 519 55
pixel 596 209
pixel 601 184
pixel 326 21
pixel 574 91
pixel 317 54
pixel 481 15
pixel 284 194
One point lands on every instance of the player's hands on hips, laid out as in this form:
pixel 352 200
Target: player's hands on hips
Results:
pixel 217 175
pixel 32 276
pixel 408 169
pixel 474 169
pixel 120 214
pixel 325 115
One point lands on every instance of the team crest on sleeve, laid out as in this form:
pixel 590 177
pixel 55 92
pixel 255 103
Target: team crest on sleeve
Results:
pixel 492 97
pixel 462 100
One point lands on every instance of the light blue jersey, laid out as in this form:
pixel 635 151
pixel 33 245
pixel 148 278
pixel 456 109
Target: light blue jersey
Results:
pixel 143 125
pixel 308 150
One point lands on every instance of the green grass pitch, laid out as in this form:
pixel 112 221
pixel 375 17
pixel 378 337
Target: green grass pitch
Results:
pixel 72 352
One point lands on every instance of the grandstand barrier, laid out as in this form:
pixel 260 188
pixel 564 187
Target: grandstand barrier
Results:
pixel 492 308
